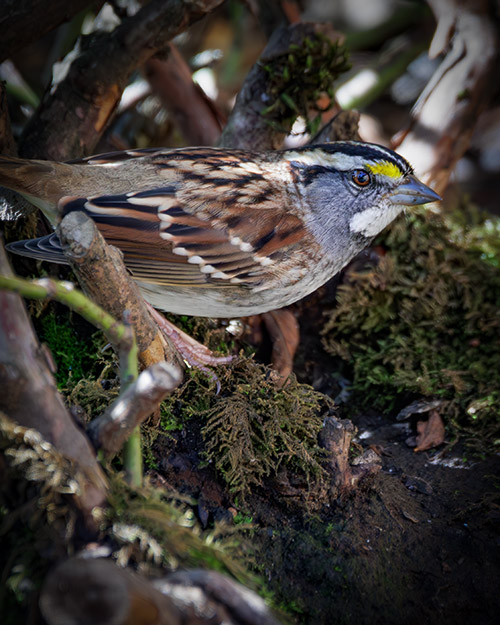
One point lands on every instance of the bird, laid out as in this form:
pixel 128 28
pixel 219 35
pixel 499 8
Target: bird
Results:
pixel 219 232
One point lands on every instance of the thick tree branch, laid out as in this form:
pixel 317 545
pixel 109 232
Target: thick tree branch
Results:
pixel 72 118
pixel 25 21
pixel 29 394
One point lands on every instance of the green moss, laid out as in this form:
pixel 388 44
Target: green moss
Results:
pixel 299 79
pixel 426 320
pixel 93 395
pixel 254 427
pixel 161 531
pixel 75 347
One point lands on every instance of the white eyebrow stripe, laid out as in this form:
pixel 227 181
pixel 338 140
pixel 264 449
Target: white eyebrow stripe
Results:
pixel 345 162
pixel 342 162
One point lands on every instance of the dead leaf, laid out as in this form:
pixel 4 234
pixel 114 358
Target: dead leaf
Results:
pixel 431 432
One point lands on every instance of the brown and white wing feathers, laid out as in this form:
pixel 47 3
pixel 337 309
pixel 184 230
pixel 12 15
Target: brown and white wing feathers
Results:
pixel 186 239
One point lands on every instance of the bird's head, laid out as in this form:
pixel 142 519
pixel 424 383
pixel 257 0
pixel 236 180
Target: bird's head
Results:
pixel 355 189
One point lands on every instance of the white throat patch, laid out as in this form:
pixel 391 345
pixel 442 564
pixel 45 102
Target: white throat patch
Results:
pixel 373 220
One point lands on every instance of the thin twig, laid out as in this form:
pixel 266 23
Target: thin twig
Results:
pixel 66 293
pixel 119 334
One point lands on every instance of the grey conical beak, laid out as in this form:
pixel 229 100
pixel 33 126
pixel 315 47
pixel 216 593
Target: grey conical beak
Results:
pixel 412 192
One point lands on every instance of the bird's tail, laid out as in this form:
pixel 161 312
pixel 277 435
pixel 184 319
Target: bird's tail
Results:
pixel 18 173
pixel 35 180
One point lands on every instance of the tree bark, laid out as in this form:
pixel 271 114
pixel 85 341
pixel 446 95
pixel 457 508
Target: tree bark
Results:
pixel 25 21
pixel 73 116
pixel 103 277
pixel 30 397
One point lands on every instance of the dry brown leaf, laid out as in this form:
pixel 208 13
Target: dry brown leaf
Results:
pixel 431 432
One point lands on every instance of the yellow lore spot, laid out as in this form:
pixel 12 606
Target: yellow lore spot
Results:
pixel 386 168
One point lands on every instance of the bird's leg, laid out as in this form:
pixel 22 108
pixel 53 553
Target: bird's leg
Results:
pixel 192 352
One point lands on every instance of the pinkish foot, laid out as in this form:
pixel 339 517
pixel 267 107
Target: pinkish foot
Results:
pixel 192 352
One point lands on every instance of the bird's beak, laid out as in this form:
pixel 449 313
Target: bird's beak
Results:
pixel 412 192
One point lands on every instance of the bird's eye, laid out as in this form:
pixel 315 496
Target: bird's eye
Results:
pixel 361 177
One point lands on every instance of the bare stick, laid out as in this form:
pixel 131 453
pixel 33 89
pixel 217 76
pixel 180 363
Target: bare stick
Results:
pixel 216 593
pixel 133 407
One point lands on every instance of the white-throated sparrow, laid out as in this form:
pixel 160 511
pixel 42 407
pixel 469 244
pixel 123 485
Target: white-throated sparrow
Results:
pixel 220 232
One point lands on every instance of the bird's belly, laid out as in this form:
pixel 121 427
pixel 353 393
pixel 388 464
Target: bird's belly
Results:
pixel 231 302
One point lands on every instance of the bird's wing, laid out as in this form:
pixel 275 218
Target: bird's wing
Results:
pixel 171 240
pixel 47 248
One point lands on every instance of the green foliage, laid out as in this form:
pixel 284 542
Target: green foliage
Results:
pixel 242 519
pixel 254 427
pixel 76 350
pixel 299 79
pixel 426 320
pixel 69 351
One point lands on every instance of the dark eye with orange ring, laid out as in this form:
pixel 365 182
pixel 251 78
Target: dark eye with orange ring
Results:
pixel 361 177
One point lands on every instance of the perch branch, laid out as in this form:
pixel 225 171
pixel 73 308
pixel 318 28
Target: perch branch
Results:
pixel 104 278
